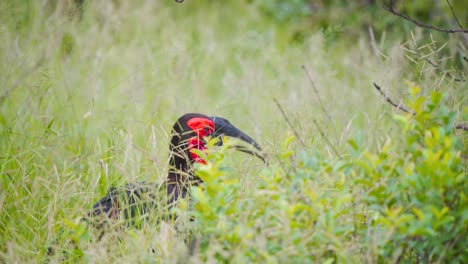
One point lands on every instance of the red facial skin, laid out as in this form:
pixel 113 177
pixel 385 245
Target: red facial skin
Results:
pixel 202 127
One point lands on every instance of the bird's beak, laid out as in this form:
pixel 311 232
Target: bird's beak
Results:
pixel 225 128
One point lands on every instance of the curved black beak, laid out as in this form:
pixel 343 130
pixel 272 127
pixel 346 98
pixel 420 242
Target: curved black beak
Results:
pixel 224 128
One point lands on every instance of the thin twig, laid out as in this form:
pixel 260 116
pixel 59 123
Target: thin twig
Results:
pixel 322 105
pixel 283 167
pixel 289 123
pixel 454 15
pixel 326 138
pixel 447 73
pixel 423 25
pixel 317 93
pixel 462 127
pixel 397 106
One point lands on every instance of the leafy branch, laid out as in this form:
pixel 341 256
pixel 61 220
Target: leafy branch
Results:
pixel 401 107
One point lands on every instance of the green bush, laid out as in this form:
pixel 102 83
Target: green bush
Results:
pixel 405 203
pixel 418 192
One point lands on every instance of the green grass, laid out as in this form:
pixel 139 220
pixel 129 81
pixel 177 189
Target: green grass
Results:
pixel 88 103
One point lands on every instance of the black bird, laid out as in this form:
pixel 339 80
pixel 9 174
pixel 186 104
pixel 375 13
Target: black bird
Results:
pixel 188 133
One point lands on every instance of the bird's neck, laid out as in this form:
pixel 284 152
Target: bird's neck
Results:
pixel 181 175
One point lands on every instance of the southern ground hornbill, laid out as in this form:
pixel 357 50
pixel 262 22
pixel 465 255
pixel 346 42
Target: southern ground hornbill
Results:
pixel 188 133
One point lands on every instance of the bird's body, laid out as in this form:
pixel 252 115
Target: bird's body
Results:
pixel 134 202
pixel 138 199
pixel 126 202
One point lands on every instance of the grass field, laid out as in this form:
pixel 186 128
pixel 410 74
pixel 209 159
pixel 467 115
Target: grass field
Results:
pixel 88 103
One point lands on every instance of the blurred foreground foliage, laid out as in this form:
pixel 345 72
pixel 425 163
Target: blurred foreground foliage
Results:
pixel 405 203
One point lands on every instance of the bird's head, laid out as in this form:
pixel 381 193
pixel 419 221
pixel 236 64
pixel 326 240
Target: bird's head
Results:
pixel 191 131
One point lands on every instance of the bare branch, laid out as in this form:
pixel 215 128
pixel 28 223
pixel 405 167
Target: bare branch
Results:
pixel 316 92
pixel 400 107
pixel 462 127
pixel 319 99
pixel 423 25
pixel 289 123
pixel 326 139
pixel 454 15
pixel 397 106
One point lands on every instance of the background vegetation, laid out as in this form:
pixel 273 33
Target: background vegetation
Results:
pixel 89 93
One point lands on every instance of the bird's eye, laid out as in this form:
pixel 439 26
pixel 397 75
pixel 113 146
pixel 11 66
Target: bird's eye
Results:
pixel 206 129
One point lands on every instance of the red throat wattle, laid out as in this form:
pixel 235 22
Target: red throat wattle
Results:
pixel 196 143
pixel 202 127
